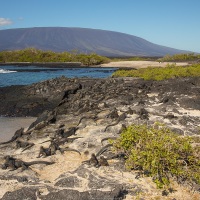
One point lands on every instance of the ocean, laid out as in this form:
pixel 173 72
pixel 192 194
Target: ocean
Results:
pixel 25 75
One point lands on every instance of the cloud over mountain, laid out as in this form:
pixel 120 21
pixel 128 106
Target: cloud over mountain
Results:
pixel 5 21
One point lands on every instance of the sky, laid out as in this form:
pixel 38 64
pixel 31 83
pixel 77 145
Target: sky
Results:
pixel 171 23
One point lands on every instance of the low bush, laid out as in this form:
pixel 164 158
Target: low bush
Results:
pixel 35 55
pixel 161 73
pixel 159 153
pixel 180 57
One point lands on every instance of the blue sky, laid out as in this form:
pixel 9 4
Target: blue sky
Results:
pixel 172 23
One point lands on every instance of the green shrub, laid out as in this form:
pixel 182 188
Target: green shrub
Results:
pixel 180 57
pixel 158 152
pixel 35 55
pixel 160 73
pixel 135 58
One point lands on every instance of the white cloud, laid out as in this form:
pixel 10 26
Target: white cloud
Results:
pixel 20 18
pixel 5 21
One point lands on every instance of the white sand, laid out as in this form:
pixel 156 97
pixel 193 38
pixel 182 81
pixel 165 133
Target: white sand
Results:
pixel 141 64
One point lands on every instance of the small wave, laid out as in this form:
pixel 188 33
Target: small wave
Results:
pixel 4 71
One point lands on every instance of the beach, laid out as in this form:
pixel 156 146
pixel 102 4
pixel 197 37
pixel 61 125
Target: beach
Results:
pixel 141 64
pixel 83 114
pixel 8 126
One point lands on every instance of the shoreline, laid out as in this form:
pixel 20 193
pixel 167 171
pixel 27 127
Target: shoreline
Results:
pixel 44 64
pixel 100 103
pixel 117 64
pixel 8 126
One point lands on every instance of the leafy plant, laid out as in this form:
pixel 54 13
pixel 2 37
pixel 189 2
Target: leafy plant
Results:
pixel 160 73
pixel 158 152
pixel 180 57
pixel 35 55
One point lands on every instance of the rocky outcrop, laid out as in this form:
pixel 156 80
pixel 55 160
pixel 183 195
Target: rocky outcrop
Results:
pixel 34 99
pixel 28 193
pixel 81 114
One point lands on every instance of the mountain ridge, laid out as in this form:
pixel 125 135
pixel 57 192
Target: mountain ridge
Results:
pixel 84 40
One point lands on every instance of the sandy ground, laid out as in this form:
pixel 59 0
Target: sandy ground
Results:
pixel 8 126
pixel 141 64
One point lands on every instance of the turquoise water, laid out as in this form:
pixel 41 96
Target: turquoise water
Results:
pixel 25 75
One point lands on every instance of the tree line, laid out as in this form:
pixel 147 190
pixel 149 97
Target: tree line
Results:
pixel 180 57
pixel 35 55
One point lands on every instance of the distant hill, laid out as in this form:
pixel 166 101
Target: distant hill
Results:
pixel 58 39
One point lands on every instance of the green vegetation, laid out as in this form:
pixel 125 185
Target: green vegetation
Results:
pixel 180 57
pixel 34 55
pixel 159 153
pixel 160 73
pixel 135 58
pixel 167 58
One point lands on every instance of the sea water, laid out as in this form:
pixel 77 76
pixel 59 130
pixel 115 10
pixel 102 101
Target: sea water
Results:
pixel 25 75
